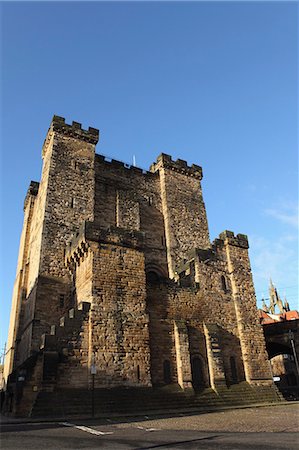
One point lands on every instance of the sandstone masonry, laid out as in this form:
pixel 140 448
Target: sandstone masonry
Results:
pixel 116 270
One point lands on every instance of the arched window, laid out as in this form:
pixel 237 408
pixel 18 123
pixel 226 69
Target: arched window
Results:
pixel 223 283
pixel 152 277
pixel 166 372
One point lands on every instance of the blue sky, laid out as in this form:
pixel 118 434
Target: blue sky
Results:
pixel 212 83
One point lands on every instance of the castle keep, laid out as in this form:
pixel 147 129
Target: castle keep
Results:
pixel 116 271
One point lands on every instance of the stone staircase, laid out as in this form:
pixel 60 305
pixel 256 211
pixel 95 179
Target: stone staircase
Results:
pixel 63 336
pixel 42 368
pixel 61 345
pixel 133 401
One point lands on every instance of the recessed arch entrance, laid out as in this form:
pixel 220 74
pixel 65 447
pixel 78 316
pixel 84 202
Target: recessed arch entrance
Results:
pixel 160 328
pixel 154 274
pixel 197 371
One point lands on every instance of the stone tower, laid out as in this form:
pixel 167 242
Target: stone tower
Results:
pixel 116 270
pixel 53 211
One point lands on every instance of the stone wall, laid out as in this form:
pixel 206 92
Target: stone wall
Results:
pixel 256 364
pixel 127 197
pixel 70 193
pixel 182 201
pixel 113 264
pixel 166 305
pixel 21 281
pixel 120 339
pixel 64 199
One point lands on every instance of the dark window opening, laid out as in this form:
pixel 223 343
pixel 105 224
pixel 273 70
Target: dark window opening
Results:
pixel 197 373
pixel 152 277
pixel 223 283
pixel 61 300
pixel 233 369
pixel 167 372
pixel 150 201
pixel 72 202
pixel 138 373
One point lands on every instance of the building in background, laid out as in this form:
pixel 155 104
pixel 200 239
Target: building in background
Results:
pixel 282 342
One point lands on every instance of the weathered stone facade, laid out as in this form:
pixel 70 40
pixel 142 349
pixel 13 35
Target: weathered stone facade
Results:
pixel 116 269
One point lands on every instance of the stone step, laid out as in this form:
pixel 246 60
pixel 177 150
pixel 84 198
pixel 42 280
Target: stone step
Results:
pixel 130 400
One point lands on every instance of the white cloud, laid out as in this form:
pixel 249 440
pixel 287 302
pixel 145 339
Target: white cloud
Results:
pixel 290 219
pixel 287 213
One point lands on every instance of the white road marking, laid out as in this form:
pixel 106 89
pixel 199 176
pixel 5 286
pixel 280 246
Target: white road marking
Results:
pixel 86 429
pixel 148 429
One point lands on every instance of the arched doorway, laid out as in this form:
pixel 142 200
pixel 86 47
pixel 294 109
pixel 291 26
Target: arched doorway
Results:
pixel 160 330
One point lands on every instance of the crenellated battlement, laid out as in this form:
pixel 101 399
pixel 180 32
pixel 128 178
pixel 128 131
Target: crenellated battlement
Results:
pixel 89 231
pixel 114 163
pixel 31 192
pixel 74 130
pixel 240 240
pixel 211 254
pixel 179 166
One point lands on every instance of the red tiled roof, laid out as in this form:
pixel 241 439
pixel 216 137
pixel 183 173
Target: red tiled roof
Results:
pixel 272 318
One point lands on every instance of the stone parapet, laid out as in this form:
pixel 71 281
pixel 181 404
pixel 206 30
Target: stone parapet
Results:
pixel 74 130
pixel 240 240
pixel 115 164
pixel 201 254
pixel 89 231
pixel 179 166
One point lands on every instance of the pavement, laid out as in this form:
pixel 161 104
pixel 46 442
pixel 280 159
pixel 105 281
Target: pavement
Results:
pixel 126 416
pixel 268 428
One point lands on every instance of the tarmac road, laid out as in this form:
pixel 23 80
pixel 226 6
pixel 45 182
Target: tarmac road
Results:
pixel 274 427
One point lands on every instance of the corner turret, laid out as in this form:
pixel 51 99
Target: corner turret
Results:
pixel 74 130
pixel 241 240
pixel 179 166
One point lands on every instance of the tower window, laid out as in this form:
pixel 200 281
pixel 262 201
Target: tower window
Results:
pixel 72 202
pixel 61 300
pixel 223 283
